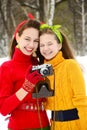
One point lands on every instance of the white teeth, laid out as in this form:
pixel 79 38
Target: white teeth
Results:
pixel 29 49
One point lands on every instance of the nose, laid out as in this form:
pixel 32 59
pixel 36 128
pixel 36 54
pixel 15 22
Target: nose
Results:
pixel 31 44
pixel 45 48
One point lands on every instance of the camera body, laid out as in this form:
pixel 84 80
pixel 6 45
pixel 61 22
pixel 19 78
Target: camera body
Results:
pixel 43 89
pixel 44 69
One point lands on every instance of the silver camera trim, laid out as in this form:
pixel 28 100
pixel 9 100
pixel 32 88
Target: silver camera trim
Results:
pixel 41 67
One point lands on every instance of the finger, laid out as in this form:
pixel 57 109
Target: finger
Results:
pixel 35 73
pixel 37 79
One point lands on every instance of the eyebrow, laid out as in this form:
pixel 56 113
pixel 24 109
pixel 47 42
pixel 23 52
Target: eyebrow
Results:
pixel 27 37
pixel 30 37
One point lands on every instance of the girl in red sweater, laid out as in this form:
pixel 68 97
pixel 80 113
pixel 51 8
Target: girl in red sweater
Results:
pixel 17 82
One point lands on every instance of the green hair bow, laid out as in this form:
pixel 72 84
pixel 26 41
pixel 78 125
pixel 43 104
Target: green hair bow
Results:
pixel 54 28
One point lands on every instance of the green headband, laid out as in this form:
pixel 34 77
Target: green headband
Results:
pixel 54 28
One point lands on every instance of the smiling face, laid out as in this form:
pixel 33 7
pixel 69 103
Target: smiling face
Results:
pixel 28 41
pixel 49 46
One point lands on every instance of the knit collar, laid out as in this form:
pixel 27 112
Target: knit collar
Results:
pixel 56 60
pixel 19 56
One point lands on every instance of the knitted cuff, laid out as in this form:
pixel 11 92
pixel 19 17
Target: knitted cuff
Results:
pixel 28 86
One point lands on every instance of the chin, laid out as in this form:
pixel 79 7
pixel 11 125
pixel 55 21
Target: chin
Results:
pixel 50 58
pixel 47 58
pixel 28 54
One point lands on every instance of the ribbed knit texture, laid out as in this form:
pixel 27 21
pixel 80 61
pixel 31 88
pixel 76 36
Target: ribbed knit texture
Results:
pixel 69 92
pixel 12 76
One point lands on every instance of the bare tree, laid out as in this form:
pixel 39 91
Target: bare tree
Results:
pixel 78 7
pixel 12 12
pixel 44 9
pixel 8 22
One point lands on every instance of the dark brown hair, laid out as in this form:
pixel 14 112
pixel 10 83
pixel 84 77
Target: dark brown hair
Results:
pixel 28 24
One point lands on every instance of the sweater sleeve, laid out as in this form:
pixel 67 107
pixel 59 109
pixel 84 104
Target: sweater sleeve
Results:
pixel 79 98
pixel 8 99
pixel 77 83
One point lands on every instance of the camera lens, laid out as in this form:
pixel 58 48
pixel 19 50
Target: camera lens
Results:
pixel 44 71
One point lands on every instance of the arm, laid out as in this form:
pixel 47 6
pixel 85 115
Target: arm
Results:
pixel 9 101
pixel 77 80
pixel 79 98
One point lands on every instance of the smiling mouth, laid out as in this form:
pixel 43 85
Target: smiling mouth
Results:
pixel 28 50
pixel 47 53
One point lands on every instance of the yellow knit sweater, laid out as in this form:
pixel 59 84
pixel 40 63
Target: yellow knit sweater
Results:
pixel 69 92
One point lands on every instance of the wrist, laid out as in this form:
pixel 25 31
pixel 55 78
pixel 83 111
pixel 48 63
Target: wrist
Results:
pixel 28 86
pixel 21 94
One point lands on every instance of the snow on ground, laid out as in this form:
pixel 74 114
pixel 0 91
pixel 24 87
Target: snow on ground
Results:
pixel 3 123
pixel 83 63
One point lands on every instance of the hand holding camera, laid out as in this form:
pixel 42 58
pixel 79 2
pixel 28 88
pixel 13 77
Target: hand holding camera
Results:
pixel 32 78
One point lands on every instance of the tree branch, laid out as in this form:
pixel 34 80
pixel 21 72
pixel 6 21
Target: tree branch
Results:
pixel 30 6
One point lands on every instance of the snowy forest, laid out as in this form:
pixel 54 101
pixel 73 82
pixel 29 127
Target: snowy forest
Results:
pixel 70 14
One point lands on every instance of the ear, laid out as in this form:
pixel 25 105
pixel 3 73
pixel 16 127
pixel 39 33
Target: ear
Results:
pixel 60 46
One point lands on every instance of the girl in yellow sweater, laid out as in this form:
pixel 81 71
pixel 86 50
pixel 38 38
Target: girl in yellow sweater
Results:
pixel 69 103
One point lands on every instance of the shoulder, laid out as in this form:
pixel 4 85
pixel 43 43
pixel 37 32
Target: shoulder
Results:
pixel 6 64
pixel 72 64
pixel 5 70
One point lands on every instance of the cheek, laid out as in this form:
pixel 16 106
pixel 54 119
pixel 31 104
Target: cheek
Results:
pixel 21 45
pixel 20 42
pixel 57 48
pixel 41 50
pixel 36 46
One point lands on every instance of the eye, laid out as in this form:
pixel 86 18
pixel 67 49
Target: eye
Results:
pixel 50 43
pixel 41 45
pixel 36 41
pixel 27 39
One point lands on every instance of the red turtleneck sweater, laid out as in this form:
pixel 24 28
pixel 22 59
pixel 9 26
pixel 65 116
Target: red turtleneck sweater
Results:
pixel 12 76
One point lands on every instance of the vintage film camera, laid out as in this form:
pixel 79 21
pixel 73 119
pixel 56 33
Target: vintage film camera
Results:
pixel 43 88
pixel 44 69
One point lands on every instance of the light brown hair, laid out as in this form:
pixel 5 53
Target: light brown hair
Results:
pixel 66 48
